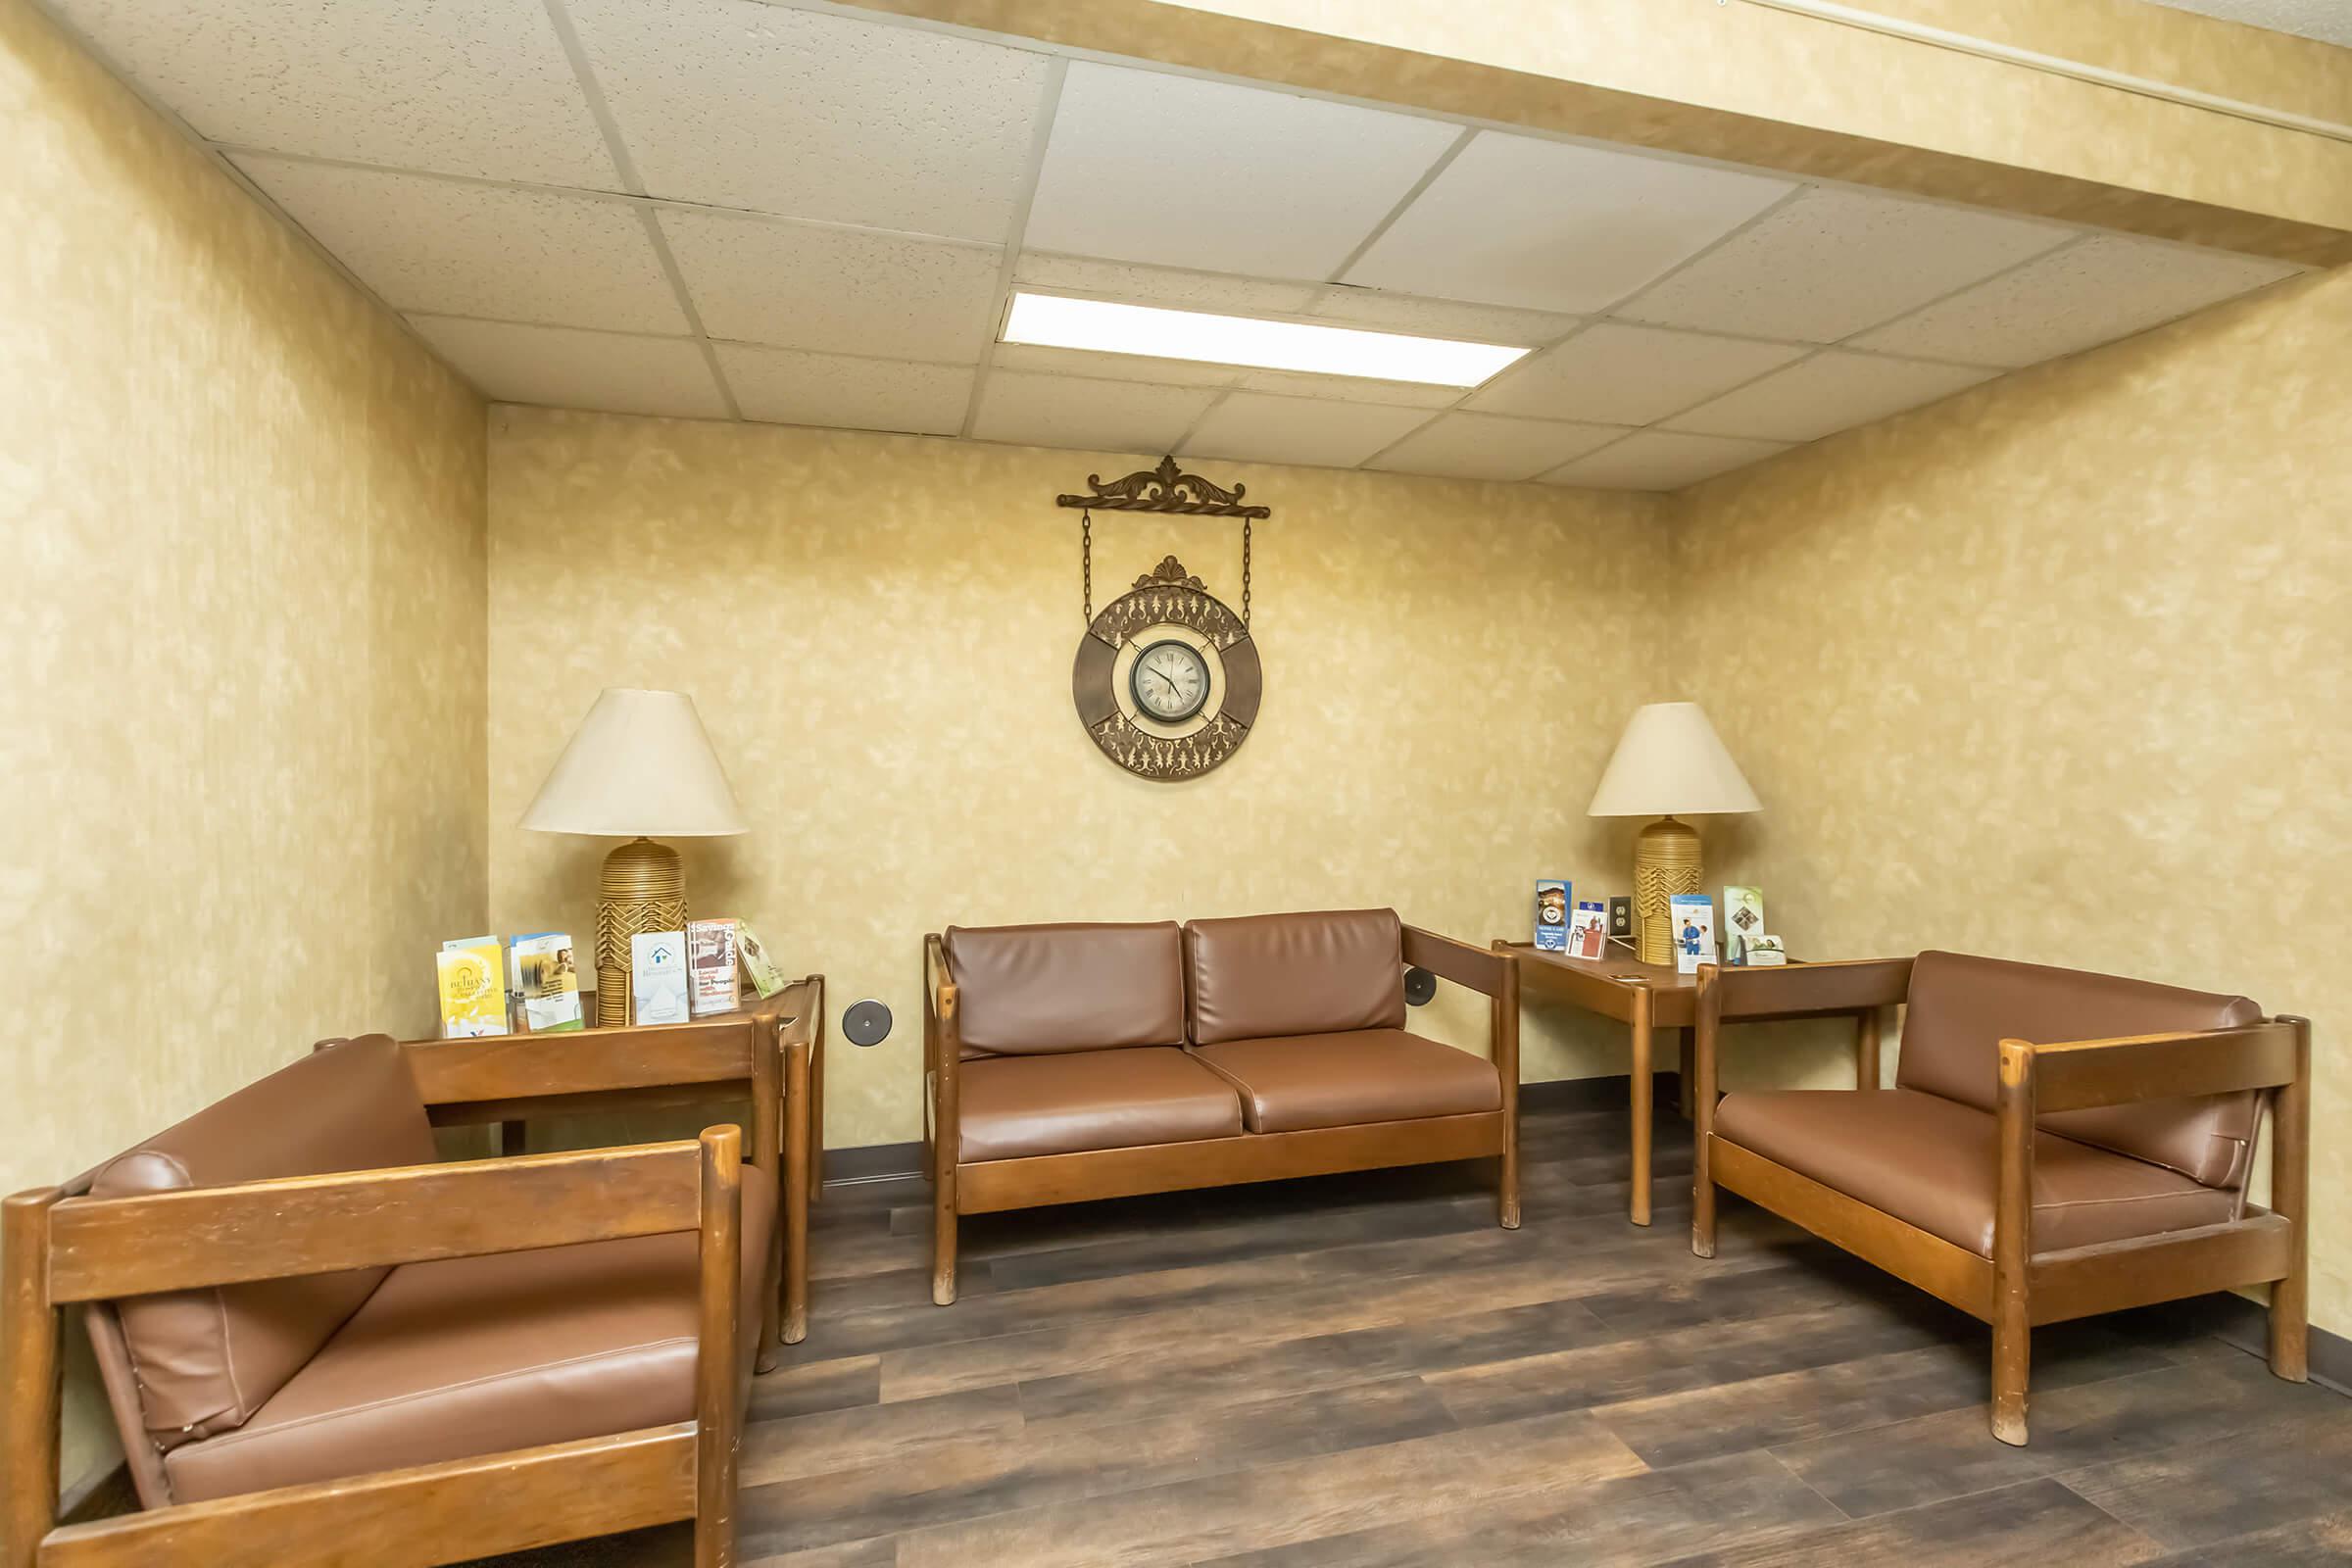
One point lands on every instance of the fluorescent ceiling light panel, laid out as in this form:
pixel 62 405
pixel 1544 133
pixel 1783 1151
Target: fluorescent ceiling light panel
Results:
pixel 1053 320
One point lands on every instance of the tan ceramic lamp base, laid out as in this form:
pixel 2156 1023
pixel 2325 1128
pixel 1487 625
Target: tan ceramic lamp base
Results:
pixel 1665 864
pixel 644 889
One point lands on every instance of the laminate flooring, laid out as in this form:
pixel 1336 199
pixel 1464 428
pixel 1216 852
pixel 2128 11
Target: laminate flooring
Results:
pixel 1363 1371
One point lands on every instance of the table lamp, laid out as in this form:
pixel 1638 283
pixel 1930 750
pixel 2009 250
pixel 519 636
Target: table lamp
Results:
pixel 640 763
pixel 1669 762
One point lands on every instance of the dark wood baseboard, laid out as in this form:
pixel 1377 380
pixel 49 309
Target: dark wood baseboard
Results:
pixel 873 1162
pixel 105 1492
pixel 2242 1321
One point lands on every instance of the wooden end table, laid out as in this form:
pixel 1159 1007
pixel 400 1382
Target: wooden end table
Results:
pixel 1648 998
pixel 641 1067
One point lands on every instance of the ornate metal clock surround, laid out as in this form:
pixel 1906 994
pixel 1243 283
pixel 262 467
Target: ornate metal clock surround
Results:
pixel 1167 601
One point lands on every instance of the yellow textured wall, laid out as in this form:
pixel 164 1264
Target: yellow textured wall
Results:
pixel 241 679
pixel 879 632
pixel 2059 669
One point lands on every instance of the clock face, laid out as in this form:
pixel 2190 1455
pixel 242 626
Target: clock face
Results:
pixel 1169 681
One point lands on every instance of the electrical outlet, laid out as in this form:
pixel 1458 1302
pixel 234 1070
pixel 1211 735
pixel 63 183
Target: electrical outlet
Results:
pixel 1621 918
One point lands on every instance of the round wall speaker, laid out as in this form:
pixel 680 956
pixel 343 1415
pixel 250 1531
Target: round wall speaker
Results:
pixel 1419 986
pixel 867 1023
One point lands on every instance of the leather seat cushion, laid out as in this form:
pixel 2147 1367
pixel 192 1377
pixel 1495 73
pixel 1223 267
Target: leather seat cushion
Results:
pixel 472 1356
pixel 1294 1082
pixel 1930 1163
pixel 1962 1008
pixel 1259 975
pixel 205 1360
pixel 1013 1106
pixel 1027 990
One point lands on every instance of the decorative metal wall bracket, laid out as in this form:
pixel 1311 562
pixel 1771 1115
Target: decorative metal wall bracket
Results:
pixel 1165 489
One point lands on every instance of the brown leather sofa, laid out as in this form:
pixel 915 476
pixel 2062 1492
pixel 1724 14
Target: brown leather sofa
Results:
pixel 2057 1144
pixel 1064 1062
pixel 285 1293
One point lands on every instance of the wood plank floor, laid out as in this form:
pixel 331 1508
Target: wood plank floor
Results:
pixel 1364 1371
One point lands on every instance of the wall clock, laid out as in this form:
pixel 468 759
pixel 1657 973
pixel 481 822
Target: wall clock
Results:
pixel 1167 679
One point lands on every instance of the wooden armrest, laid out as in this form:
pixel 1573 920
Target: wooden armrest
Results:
pixel 103 1248
pixel 939 1006
pixel 802 1002
pixel 1800 990
pixel 2082 1074
pixel 936 984
pixel 495 1067
pixel 1477 968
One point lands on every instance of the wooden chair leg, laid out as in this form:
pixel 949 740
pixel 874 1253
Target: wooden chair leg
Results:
pixel 2012 1242
pixel 2290 1199
pixel 717 1415
pixel 942 1237
pixel 2011 1361
pixel 797 1112
pixel 29 1343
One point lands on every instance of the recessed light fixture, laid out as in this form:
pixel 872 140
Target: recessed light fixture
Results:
pixel 1056 321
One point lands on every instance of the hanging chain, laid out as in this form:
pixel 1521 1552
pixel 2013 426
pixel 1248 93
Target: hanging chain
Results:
pixel 1245 571
pixel 1086 563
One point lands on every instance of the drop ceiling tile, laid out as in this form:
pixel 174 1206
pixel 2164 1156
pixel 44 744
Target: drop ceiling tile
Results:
pixel 737 103
pixel 1615 374
pixel 1044 411
pixel 1352 389
pixel 1254 427
pixel 482 89
pixel 790 387
pixel 1169 286
pixel 839 290
pixel 1491 446
pixel 1553 226
pixel 565 367
pixel 1660 459
pixel 2107 287
pixel 1452 318
pixel 449 248
pixel 1832 391
pixel 1834 263
pixel 1146 166
pixel 1111 367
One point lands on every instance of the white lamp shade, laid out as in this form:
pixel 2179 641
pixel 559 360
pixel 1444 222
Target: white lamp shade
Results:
pixel 640 763
pixel 1670 763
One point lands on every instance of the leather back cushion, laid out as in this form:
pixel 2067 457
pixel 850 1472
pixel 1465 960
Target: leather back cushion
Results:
pixel 1961 1008
pixel 1027 990
pixel 1295 974
pixel 205 1360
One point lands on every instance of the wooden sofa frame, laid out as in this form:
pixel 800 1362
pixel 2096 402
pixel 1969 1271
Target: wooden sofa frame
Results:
pixel 987 1187
pixel 771 1054
pixel 2019 1289
pixel 57 1249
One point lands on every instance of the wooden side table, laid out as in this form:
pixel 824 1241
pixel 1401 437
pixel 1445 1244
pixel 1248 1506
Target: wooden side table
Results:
pixel 1651 997
pixel 770 1052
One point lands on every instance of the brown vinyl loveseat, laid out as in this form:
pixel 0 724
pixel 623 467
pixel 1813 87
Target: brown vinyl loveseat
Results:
pixel 321 1347
pixel 1064 1062
pixel 2057 1144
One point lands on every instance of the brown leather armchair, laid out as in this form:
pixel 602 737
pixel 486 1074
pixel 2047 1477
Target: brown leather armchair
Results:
pixel 321 1348
pixel 1064 1062
pixel 2057 1144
